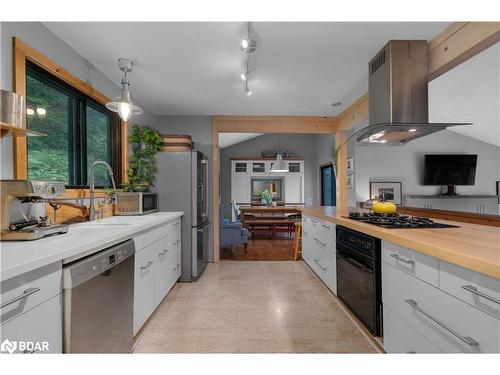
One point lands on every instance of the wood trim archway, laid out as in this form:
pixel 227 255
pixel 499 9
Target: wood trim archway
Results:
pixel 258 124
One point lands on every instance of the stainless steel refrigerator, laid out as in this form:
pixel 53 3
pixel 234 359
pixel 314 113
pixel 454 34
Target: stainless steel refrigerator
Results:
pixel 182 185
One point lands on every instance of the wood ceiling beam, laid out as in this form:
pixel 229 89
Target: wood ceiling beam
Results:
pixel 275 124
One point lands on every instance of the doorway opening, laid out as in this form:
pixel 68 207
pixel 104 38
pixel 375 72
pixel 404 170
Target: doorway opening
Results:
pixel 328 188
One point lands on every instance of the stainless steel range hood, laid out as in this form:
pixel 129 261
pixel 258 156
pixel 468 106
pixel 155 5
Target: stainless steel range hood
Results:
pixel 398 99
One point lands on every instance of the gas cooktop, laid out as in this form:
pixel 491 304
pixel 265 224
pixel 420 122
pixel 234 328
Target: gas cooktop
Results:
pixel 397 221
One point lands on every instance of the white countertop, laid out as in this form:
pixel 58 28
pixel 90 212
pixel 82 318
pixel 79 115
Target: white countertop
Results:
pixel 17 257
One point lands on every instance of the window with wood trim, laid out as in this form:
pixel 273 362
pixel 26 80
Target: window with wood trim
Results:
pixel 79 131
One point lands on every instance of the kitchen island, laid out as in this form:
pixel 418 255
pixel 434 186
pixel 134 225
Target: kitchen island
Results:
pixel 472 246
pixel 430 290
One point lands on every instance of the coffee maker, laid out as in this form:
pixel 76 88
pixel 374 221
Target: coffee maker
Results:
pixel 23 209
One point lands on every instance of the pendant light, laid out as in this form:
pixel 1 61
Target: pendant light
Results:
pixel 123 105
pixel 279 166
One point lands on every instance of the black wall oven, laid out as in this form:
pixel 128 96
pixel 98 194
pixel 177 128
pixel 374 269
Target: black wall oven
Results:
pixel 359 276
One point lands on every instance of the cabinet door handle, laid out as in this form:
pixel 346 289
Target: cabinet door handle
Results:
pixel 319 265
pixel 321 243
pixel 325 226
pixel 401 259
pixel 468 340
pixel 163 253
pixel 26 293
pixel 146 266
pixel 177 266
pixel 473 289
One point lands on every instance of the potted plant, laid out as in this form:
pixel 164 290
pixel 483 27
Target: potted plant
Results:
pixel 265 197
pixel 145 143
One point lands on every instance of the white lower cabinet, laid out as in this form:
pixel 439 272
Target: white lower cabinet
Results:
pixel 38 330
pixel 144 285
pixel 157 269
pixel 450 324
pixel 400 337
pixel 318 249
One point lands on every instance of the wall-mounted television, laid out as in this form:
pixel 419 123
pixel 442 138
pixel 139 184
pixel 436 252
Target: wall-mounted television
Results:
pixel 450 169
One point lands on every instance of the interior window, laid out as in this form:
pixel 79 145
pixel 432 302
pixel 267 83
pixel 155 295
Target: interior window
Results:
pixel 79 132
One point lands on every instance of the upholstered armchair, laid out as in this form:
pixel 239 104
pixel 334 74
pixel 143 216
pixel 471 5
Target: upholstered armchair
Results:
pixel 232 233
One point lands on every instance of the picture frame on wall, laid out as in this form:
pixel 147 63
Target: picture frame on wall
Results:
pixel 350 165
pixel 391 191
pixel 350 181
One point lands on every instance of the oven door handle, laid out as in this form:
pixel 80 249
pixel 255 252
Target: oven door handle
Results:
pixel 355 263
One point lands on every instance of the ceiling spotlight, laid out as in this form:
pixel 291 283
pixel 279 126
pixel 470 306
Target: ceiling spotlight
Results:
pixel 244 76
pixel 336 104
pixel 247 91
pixel 248 45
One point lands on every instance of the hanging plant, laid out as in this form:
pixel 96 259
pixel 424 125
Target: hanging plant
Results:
pixel 145 143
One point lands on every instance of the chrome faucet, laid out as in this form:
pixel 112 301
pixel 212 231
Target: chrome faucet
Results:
pixel 92 185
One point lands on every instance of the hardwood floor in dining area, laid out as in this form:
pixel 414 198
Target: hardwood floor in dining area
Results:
pixel 262 247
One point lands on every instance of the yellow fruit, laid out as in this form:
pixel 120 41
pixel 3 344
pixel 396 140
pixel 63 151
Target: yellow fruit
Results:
pixel 383 207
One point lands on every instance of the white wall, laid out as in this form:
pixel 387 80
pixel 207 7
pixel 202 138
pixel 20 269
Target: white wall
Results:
pixel 298 145
pixel 406 163
pixel 43 40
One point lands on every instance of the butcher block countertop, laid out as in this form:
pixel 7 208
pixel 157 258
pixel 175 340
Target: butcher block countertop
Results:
pixel 472 246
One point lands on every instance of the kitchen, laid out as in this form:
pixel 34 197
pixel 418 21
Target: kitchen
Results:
pixel 112 232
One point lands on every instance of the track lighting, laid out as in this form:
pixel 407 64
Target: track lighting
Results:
pixel 248 46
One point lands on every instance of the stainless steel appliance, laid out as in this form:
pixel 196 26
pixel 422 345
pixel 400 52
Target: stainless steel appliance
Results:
pixel 23 209
pixel 182 185
pixel 135 203
pixel 395 221
pixel 398 85
pixel 98 295
pixel 359 283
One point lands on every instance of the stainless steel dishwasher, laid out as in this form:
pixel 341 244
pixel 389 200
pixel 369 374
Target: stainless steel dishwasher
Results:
pixel 98 294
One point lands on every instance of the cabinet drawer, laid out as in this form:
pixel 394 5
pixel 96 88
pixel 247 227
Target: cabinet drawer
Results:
pixel 416 264
pixel 478 290
pixel 147 238
pixel 42 324
pixel 324 267
pixel 144 285
pixel 306 244
pixel 449 323
pixel 24 292
pixel 399 337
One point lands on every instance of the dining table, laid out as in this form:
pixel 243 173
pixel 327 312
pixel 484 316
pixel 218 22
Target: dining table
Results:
pixel 267 214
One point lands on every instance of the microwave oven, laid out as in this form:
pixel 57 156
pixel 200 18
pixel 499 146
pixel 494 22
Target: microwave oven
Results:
pixel 135 203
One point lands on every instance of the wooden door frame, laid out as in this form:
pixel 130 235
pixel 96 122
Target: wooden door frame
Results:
pixel 258 124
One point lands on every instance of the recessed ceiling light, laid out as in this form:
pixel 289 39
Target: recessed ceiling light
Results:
pixel 336 104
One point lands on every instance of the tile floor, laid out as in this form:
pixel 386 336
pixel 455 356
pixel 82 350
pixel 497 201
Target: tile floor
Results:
pixel 252 307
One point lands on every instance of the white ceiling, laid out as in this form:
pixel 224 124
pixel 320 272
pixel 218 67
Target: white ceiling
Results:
pixel 230 139
pixel 185 68
pixel 470 93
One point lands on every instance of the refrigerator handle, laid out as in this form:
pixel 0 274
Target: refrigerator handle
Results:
pixel 204 190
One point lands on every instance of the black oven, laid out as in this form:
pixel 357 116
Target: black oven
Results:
pixel 359 276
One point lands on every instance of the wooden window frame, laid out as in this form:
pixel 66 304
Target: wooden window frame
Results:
pixel 22 53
